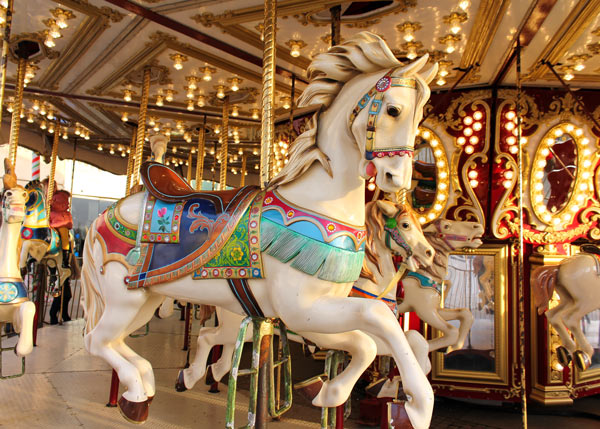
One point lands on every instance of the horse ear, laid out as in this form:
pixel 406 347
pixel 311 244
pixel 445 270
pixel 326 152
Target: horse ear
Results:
pixel 430 229
pixel 387 208
pixel 415 66
pixel 430 74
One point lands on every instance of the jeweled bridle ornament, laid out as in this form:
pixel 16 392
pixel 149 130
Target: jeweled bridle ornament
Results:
pixel 375 96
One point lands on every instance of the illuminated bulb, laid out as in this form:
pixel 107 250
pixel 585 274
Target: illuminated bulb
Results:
pixel 585 175
pixel 523 140
pixel 217 129
pixel 570 128
pixel 510 115
pixel 50 114
pixel 472 174
pixel 578 132
pixel 36 105
pixel 127 95
pixel 547 217
pixel 509 174
pixel 585 141
pixel 444 71
pixel 22 114
pixel 477 126
pixel 207 76
pixel 87 135
pixel 538 187
pixel 513 149
pixel 100 147
pixel 51 129
pixel 177 62
pixel 235 82
pixel 545 152
pixel 65 135
pixel 474 140
pixel 286 102
pixel 426 135
pixel 254 152
pixel 235 111
pixel 568 75
pixel 450 46
pixel 169 96
pixel 3 15
pixel 550 141
pixel 464 4
pixel 473 183
pixel 54 31
pixel 437 153
pixel 461 140
pixel 477 115
pixel 558 132
pixel 156 127
pixel 220 91
pixel 112 150
pixel 443 175
pixel 123 154
pixel 201 101
pixel 539 198
pixel 125 117
pixel 469 149
pixel 43 125
pixel 574 208
pixel 192 83
pixel 541 163
pixel 468 132
pixel 556 221
pixel 587 163
pixel 434 143
pixel 159 100
pixel 468 120
pixel 440 81
pixel 10 108
pixel 443 186
pixel 190 105
pixel 190 93
pixel 175 147
pixel 30 118
pixel 370 186
pixel 49 41
pixel 511 140
pixel 455 25
pixel 152 121
pixel 440 164
pixel 61 21
pixel 509 126
pixel 507 184
pixel 412 53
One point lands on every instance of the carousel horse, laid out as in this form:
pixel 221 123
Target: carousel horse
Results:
pixel 15 307
pixel 423 288
pixel 290 252
pixel 576 280
pixel 404 239
pixel 43 243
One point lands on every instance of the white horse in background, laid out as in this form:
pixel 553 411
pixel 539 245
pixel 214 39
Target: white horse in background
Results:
pixel 410 244
pixel 15 307
pixel 325 176
pixel 422 290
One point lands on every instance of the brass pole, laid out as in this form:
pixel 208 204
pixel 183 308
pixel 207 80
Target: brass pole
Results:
pixel 243 172
pixel 15 123
pixel 141 129
pixel 224 145
pixel 200 156
pixel 189 168
pixel 521 255
pixel 130 162
pixel 336 15
pixel 4 55
pixel 50 192
pixel 268 93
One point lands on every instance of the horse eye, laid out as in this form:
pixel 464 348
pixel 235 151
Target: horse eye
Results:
pixel 393 111
pixel 405 225
pixel 446 226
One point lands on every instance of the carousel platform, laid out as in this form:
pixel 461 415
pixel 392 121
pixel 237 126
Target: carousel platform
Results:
pixel 66 387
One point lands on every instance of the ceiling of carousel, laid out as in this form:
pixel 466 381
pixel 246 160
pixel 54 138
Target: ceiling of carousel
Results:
pixel 92 52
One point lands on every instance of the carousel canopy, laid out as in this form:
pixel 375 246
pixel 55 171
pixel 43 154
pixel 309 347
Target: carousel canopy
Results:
pixel 86 62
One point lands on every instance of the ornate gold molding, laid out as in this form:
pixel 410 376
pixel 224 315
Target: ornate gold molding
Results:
pixel 574 25
pixel 85 7
pixel 487 21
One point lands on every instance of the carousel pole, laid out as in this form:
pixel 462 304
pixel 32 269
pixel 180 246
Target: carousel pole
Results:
pixel 130 162
pixel 15 123
pixel 141 129
pixel 244 169
pixel 4 55
pixel 521 255
pixel 268 92
pixel 200 156
pixel 50 192
pixel 224 145
pixel 189 168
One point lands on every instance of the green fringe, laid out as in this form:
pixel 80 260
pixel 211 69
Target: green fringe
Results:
pixel 308 255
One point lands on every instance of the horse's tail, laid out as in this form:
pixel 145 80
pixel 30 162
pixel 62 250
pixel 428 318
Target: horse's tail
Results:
pixel 543 282
pixel 90 281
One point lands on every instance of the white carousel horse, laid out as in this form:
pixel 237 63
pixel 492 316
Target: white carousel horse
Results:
pixel 576 280
pixel 39 240
pixel 407 241
pixel 423 288
pixel 15 307
pixel 306 288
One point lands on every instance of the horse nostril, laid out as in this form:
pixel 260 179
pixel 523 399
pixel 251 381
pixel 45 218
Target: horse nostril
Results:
pixel 429 253
pixel 388 176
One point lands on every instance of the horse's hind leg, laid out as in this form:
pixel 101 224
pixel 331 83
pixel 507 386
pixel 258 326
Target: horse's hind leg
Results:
pixel 573 323
pixel 556 317
pixel 465 317
pixel 435 320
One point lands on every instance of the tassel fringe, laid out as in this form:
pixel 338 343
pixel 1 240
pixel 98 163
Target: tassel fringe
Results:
pixel 308 255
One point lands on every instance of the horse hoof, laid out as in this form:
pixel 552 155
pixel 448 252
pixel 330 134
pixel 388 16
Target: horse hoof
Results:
pixel 564 357
pixel 150 399
pixel 133 412
pixel 442 350
pixel 180 383
pixel 374 388
pixel 209 379
pixel 397 417
pixel 582 360
pixel 310 388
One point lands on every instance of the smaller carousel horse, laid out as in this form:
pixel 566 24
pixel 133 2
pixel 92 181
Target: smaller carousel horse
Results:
pixel 405 238
pixel 43 243
pixel 423 288
pixel 15 306
pixel 576 280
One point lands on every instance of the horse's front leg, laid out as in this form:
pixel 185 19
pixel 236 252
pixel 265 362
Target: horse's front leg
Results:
pixel 23 320
pixel 334 314
pixel 465 318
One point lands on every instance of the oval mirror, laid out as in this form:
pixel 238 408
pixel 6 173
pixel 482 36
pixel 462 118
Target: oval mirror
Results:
pixel 557 171
pixel 430 179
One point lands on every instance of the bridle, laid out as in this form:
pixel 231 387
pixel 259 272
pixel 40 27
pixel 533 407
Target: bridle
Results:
pixel 375 96
pixel 393 233
pixel 450 237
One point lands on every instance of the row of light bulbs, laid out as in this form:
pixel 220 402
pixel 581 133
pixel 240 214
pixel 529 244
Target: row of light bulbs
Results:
pixel 59 22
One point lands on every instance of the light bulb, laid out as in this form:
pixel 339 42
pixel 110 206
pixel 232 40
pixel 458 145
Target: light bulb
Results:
pixel 579 65
pixel 450 47
pixel 61 21
pixel 235 111
pixel 412 53
pixel 235 84
pixel 100 148
pixel 49 41
pixel 441 81
pixel 254 113
pixel 43 125
pixel 568 75
pixel 169 96
pixel 207 76
pixel 286 102
pixel 220 91
pixel 455 25
pixel 295 50
pixel 51 129
pixel 30 118
pixel 201 101
pixel 50 114
pixel 464 4
pixel 36 105
pixel 217 129
pixel 127 95
pixel 55 31
pixel 159 100
pixel 190 105
pixel 125 117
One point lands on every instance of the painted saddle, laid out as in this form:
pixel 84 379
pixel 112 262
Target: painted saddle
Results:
pixel 223 234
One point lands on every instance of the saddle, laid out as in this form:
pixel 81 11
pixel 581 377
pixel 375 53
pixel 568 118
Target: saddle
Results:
pixel 166 185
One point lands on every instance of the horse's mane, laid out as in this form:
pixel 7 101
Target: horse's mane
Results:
pixel 363 53
pixel 374 219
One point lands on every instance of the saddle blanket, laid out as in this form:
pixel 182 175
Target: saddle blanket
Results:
pixel 213 240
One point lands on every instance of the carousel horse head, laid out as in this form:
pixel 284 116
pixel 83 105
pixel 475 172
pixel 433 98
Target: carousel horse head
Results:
pixel 361 84
pixel 453 235
pixel 14 196
pixel 396 226
pixel 158 145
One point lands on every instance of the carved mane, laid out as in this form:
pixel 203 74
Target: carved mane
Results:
pixel 364 53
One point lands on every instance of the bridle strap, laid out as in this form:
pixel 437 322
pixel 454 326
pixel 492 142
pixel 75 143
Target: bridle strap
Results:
pixel 375 96
pixel 398 237
pixel 450 237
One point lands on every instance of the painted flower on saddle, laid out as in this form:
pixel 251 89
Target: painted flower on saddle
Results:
pixel 164 222
pixel 7 292
pixel 237 254
pixel 330 227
